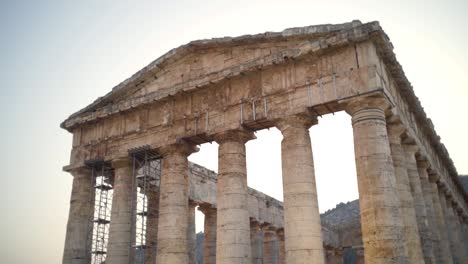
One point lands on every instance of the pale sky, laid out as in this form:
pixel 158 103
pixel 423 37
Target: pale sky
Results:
pixel 59 56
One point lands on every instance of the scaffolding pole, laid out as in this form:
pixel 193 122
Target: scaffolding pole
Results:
pixel 146 175
pixel 101 177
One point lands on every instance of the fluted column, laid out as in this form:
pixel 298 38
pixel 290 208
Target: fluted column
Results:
pixel 281 253
pixel 440 219
pixel 269 249
pixel 209 243
pixel 255 242
pixel 233 224
pixel 152 226
pixel 448 229
pixel 302 227
pixel 423 166
pixel 79 226
pixel 173 205
pixel 419 203
pixel 191 233
pixel 458 252
pixel 381 218
pixel 411 239
pixel 121 229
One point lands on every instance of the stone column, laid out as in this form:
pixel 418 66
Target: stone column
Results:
pixel 463 248
pixel 280 237
pixel 448 229
pixel 152 226
pixel 191 233
pixel 302 227
pixel 419 203
pixel 233 224
pixel 440 219
pixel 381 218
pixel 121 229
pixel 411 239
pixel 79 226
pixel 423 166
pixel 255 242
pixel 339 255
pixel 209 243
pixel 269 248
pixel 455 241
pixel 359 255
pixel 173 204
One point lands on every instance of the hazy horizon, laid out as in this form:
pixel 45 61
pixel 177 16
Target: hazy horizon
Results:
pixel 59 56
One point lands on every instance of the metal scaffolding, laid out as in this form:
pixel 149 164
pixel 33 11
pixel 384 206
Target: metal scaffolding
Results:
pixel 147 174
pixel 102 177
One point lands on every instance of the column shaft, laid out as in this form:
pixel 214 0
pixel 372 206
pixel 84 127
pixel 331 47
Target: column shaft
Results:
pixel 191 234
pixel 121 229
pixel 431 216
pixel 281 253
pixel 79 227
pixel 411 239
pixel 455 241
pixel 440 221
pixel 209 244
pixel 173 205
pixel 302 226
pixel 419 204
pixel 152 227
pixel 233 227
pixel 269 249
pixel 255 243
pixel 381 218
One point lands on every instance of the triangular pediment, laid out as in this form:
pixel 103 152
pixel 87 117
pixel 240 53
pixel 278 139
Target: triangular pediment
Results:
pixel 202 62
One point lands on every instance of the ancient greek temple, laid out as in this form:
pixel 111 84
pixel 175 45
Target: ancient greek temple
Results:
pixel 135 193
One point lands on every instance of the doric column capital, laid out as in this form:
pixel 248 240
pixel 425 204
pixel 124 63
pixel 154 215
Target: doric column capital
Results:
pixel 182 147
pixel 411 148
pixel 367 103
pixel 192 203
pixel 433 175
pixel 296 121
pixel 395 131
pixel 207 209
pixel 267 227
pixel 280 233
pixel 121 162
pixel 423 164
pixel 238 135
pixel 80 171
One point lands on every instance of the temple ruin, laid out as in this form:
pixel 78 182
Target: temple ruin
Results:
pixel 135 193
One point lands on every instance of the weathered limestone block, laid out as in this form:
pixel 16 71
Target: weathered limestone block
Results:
pixel 381 218
pixel 233 224
pixel 172 246
pixel 419 203
pixel 269 245
pixel 209 243
pixel 121 233
pixel 152 226
pixel 423 166
pixel 302 227
pixel 79 227
pixel 191 233
pixel 411 240
pixel 255 244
